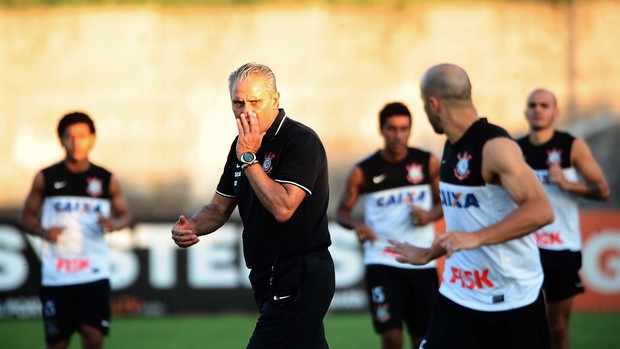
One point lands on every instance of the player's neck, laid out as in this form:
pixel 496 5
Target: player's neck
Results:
pixel 542 136
pixel 460 124
pixel 75 166
pixel 393 157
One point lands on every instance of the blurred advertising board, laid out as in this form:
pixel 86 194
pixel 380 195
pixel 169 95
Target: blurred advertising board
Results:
pixel 153 277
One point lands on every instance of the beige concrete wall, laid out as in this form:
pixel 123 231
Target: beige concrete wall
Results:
pixel 154 78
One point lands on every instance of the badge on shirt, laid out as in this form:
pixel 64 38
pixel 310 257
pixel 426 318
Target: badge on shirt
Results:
pixel 415 174
pixel 95 186
pixel 461 171
pixel 267 166
pixel 554 156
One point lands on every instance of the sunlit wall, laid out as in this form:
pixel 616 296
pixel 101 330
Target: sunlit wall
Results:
pixel 155 80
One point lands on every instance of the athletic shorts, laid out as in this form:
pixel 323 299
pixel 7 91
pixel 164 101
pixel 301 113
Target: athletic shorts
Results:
pixel 293 296
pixel 65 308
pixel 398 295
pixel 561 269
pixel 457 327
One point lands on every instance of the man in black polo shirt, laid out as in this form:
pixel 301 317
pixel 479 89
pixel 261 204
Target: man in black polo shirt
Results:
pixel 276 171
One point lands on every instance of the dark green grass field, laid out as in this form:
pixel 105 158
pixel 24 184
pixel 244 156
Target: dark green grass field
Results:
pixel 588 330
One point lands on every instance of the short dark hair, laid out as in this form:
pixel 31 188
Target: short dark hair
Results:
pixel 391 109
pixel 75 118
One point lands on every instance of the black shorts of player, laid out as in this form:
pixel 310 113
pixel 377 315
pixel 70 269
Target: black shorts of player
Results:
pixel 66 308
pixel 398 295
pixel 458 327
pixel 561 269
pixel 293 296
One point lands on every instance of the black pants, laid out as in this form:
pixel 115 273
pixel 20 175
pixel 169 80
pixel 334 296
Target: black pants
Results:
pixel 456 327
pixel 292 297
pixel 397 295
pixel 66 308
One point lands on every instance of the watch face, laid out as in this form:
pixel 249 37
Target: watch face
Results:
pixel 247 157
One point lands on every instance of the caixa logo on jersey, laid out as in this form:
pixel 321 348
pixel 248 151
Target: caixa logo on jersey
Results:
pixel 458 200
pixel 409 197
pixel 77 206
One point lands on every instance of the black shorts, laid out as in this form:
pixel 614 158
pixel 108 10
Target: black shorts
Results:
pixel 293 297
pixel 398 295
pixel 561 269
pixel 457 327
pixel 65 308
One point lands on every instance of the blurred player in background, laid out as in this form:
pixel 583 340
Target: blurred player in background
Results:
pixel 276 172
pixel 71 205
pixel 490 296
pixel 401 188
pixel 559 160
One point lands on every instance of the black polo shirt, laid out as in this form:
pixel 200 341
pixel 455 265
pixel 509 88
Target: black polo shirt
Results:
pixel 290 153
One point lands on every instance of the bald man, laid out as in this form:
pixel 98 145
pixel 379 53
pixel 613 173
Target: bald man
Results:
pixel 491 295
pixel 559 159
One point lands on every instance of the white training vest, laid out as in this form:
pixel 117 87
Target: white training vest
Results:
pixel 388 214
pixel 80 254
pixel 74 201
pixel 563 233
pixel 494 277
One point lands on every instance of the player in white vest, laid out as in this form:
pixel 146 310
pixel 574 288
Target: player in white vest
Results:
pixel 71 205
pixel 400 186
pixel 490 296
pixel 559 160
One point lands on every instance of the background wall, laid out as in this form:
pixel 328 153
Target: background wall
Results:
pixel 155 80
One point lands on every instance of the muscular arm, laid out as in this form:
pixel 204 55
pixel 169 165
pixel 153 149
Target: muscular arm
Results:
pixel 280 199
pixel 436 211
pixel 503 164
pixel 503 158
pixel 29 218
pixel 208 219
pixel 121 216
pixel 595 186
pixel 422 217
pixel 349 197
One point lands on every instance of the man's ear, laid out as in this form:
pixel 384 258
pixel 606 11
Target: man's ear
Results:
pixel 276 100
pixel 556 113
pixel 433 102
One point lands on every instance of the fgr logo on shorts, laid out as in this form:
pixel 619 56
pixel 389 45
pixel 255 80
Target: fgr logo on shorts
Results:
pixel 49 308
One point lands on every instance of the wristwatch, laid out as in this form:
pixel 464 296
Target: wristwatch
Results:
pixel 247 159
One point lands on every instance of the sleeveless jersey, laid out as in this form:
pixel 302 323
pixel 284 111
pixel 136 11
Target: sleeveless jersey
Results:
pixel 74 201
pixel 563 233
pixel 492 277
pixel 390 190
